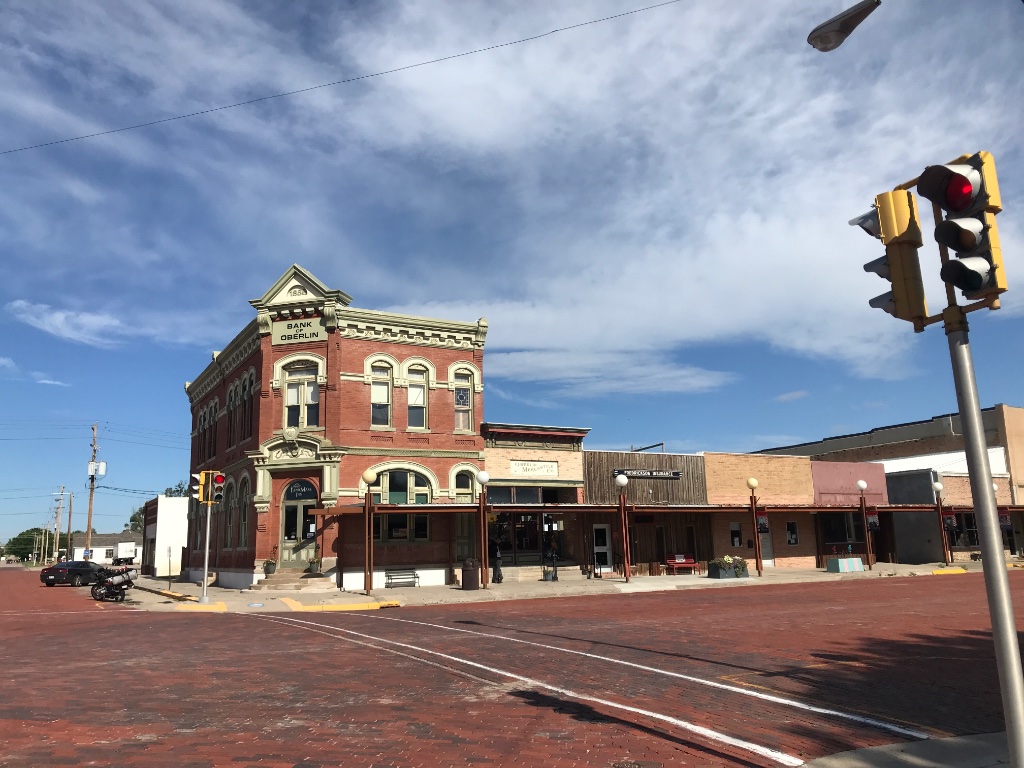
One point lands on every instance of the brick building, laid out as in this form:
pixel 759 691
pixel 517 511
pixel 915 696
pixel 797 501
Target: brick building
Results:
pixel 917 455
pixel 307 397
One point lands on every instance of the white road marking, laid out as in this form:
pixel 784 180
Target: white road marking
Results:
pixel 689 678
pixel 707 733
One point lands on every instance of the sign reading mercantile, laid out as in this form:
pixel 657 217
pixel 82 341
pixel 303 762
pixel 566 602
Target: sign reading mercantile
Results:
pixel 298 330
pixel 649 474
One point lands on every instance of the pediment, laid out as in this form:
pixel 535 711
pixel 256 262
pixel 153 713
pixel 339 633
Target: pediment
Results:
pixel 297 287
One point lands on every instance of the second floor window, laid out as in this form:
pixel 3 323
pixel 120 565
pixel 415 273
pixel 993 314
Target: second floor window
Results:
pixel 302 407
pixel 463 402
pixel 380 396
pixel 417 398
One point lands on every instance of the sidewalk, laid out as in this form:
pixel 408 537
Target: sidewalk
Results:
pixel 184 595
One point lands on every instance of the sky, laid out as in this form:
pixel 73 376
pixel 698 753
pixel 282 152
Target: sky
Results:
pixel 650 210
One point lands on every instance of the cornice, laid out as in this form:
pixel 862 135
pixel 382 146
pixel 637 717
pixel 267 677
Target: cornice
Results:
pixel 374 325
pixel 224 362
pixel 422 452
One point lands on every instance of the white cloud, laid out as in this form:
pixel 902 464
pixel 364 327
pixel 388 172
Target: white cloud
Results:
pixel 788 397
pixel 42 378
pixel 8 364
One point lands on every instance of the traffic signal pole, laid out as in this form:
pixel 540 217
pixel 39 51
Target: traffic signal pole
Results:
pixel 997 583
pixel 204 599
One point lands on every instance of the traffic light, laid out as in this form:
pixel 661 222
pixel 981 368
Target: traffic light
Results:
pixel 895 222
pixel 217 480
pixel 198 488
pixel 967 191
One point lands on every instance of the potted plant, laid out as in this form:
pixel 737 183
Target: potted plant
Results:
pixel 270 564
pixel 315 560
pixel 727 567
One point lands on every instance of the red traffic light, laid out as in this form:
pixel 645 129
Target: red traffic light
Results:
pixel 953 187
pixel 219 479
pixel 960 193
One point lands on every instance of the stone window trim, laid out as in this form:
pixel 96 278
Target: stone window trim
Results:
pixel 299 360
pixel 228 517
pixel 464 366
pixel 472 469
pixel 406 466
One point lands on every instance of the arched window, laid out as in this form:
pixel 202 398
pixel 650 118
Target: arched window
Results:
pixel 211 445
pixel 231 434
pixel 201 437
pixel 464 488
pixel 417 398
pixel 380 395
pixel 243 514
pixel 401 486
pixel 302 395
pixel 247 407
pixel 229 513
pixel 463 401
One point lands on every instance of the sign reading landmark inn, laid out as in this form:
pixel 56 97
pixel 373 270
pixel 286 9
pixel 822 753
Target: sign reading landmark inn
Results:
pixel 298 330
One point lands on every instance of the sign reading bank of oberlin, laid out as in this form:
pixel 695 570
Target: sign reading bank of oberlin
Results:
pixel 298 330
pixel 649 474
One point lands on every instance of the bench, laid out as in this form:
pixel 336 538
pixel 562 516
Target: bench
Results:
pixel 684 563
pixel 405 577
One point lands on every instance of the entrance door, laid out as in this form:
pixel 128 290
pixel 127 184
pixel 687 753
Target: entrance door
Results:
pixel 767 553
pixel 299 534
pixel 602 548
pixel 298 526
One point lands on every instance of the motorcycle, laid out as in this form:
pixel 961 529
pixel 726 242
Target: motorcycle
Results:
pixel 113 584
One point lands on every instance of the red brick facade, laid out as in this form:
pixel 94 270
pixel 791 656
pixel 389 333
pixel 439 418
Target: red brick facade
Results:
pixel 240 406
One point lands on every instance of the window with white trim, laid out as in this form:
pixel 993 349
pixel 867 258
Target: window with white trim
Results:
pixel 229 508
pixel 232 416
pixel 401 486
pixel 247 407
pixel 464 488
pixel 302 397
pixel 417 398
pixel 463 401
pixel 243 514
pixel 380 395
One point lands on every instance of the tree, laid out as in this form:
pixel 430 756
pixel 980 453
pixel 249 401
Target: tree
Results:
pixel 137 522
pixel 181 489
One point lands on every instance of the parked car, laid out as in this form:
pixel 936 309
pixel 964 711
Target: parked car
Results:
pixel 75 572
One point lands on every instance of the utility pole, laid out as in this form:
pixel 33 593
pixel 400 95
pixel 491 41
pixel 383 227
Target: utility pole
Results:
pixel 71 500
pixel 56 528
pixel 92 491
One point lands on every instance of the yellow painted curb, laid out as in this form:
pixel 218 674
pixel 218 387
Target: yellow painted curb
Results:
pixel 295 605
pixel 944 571
pixel 209 607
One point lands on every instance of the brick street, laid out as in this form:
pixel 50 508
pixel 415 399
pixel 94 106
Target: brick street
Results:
pixel 621 681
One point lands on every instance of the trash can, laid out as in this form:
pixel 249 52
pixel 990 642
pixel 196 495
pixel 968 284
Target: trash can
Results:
pixel 470 574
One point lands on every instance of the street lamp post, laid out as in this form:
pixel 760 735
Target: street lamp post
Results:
pixel 863 486
pixel 369 477
pixel 752 485
pixel 937 487
pixel 622 481
pixel 483 478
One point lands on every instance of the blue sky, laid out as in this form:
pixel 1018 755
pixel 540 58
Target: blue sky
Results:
pixel 650 211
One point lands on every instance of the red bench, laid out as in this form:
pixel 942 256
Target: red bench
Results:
pixel 684 563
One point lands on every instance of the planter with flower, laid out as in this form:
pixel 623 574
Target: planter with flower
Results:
pixel 315 560
pixel 727 567
pixel 270 564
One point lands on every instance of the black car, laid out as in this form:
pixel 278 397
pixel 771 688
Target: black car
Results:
pixel 75 572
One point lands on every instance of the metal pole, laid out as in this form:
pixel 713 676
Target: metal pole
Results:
pixel 206 557
pixel 757 535
pixel 867 533
pixel 56 528
pixel 484 553
pixel 625 535
pixel 942 530
pixel 997 584
pixel 367 542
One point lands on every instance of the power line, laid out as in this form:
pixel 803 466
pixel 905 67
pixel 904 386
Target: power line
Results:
pixel 338 82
